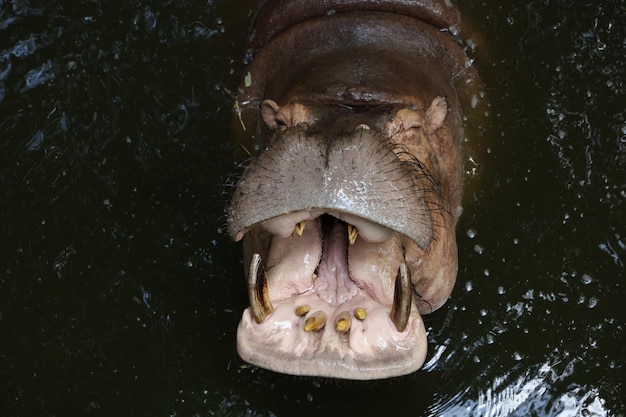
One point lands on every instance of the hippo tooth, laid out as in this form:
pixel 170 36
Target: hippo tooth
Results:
pixel 343 322
pixel 299 229
pixel 285 225
pixel 260 303
pixel 302 310
pixel 401 298
pixel 315 322
pixel 368 230
pixel 352 234
pixel 360 313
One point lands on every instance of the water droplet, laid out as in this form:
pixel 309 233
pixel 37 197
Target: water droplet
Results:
pixel 478 249
pixel 593 301
pixel 38 76
pixel 149 19
pixel 35 142
pixel 468 286
pixel 471 233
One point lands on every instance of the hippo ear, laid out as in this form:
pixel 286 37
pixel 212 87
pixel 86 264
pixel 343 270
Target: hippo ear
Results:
pixel 436 114
pixel 270 111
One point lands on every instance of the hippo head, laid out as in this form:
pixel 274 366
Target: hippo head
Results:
pixel 348 212
pixel 347 218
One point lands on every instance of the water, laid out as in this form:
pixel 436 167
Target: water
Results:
pixel 120 293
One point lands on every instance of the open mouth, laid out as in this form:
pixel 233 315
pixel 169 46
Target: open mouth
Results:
pixel 330 295
pixel 331 279
pixel 333 229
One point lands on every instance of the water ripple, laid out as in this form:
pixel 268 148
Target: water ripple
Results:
pixel 529 394
pixel 14 11
pixel 38 76
pixel 612 246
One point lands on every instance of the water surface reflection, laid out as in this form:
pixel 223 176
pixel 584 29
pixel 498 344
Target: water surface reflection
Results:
pixel 121 293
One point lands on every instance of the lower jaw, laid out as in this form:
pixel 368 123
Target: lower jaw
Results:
pixel 371 349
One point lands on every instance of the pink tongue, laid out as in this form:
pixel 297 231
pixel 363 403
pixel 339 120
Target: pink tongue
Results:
pixel 333 283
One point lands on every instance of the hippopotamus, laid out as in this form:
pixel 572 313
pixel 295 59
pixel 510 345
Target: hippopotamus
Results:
pixel 348 210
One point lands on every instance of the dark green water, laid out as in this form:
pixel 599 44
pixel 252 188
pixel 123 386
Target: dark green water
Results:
pixel 120 293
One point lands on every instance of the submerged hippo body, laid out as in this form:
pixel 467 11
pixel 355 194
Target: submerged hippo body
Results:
pixel 348 212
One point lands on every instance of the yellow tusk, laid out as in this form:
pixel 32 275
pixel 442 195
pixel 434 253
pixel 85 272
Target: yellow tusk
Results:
pixel 299 229
pixel 302 310
pixel 260 303
pixel 360 313
pixel 316 322
pixel 343 322
pixel 353 232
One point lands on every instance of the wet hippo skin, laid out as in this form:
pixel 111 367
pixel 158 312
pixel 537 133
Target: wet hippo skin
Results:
pixel 348 212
